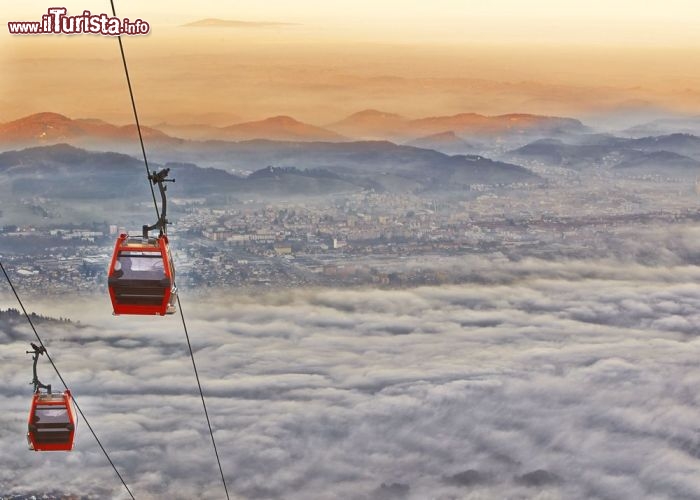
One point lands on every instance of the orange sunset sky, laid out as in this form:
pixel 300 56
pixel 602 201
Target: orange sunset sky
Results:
pixel 326 60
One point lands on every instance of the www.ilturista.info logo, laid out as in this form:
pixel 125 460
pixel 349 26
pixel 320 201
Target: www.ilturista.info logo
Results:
pixel 55 21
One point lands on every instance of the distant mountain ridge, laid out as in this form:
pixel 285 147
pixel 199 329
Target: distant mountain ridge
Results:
pixel 375 124
pixel 479 124
pixel 277 128
pixel 445 142
pixel 52 128
pixel 302 168
pixel 360 159
pixel 679 142
pixel 677 154
pixel 42 158
pixel 661 162
pixel 371 124
pixel 665 126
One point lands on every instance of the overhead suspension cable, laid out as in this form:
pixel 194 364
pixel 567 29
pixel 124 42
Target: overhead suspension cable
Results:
pixel 182 316
pixel 201 394
pixel 136 115
pixel 65 386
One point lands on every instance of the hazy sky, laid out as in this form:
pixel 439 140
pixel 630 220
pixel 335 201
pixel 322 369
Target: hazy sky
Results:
pixel 412 57
pixel 672 22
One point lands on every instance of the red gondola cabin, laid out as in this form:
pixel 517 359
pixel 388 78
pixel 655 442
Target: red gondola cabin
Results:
pixel 51 422
pixel 141 276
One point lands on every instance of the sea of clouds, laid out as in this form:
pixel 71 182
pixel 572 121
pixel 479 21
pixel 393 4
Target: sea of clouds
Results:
pixel 558 380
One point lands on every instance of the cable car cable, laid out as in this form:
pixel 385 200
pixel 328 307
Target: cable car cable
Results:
pixel 182 316
pixel 206 413
pixel 136 115
pixel 77 406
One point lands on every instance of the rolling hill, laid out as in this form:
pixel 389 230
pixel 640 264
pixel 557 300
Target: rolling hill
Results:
pixel 285 168
pixel 279 128
pixel 54 128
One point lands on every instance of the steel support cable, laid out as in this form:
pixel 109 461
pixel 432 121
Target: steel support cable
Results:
pixel 136 117
pixel 182 316
pixel 65 386
pixel 204 405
